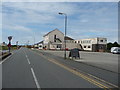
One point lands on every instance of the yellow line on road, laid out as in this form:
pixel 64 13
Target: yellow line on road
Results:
pixel 79 74
pixel 76 72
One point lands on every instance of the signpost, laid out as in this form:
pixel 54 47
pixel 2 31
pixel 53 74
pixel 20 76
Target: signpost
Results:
pixel 9 44
pixel 74 53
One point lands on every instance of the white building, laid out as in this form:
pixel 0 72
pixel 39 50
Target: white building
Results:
pixel 55 40
pixel 93 44
pixel 39 45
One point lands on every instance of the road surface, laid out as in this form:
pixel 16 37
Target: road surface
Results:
pixel 30 69
pixel 103 60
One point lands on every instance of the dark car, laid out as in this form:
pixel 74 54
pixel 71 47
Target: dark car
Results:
pixel 77 49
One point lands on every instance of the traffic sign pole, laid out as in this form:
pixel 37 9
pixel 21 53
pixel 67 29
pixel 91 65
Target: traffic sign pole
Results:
pixel 9 45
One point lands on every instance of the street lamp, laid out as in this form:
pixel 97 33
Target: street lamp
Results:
pixel 65 30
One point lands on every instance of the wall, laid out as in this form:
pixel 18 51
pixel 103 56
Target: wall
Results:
pixel 58 35
pixel 99 47
pixel 49 39
pixel 88 43
pixel 72 45
pixel 46 39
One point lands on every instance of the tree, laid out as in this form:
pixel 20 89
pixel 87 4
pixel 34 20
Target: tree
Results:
pixel 115 44
pixel 109 46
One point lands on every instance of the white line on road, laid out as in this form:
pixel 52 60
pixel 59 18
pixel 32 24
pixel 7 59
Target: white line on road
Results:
pixel 26 56
pixel 33 73
pixel 35 79
pixel 6 58
pixel 28 59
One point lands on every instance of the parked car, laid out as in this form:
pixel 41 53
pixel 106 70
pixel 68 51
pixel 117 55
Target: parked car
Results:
pixel 115 50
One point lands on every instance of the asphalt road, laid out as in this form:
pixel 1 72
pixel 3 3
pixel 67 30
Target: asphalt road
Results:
pixel 28 69
pixel 99 72
pixel 103 60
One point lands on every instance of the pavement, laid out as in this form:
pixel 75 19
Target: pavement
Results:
pixel 37 69
pixel 103 60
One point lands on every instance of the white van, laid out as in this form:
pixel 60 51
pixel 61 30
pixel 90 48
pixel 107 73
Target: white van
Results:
pixel 115 50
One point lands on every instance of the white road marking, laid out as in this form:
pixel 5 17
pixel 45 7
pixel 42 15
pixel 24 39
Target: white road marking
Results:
pixel 6 58
pixel 28 59
pixel 26 56
pixel 35 79
pixel 90 74
pixel 33 73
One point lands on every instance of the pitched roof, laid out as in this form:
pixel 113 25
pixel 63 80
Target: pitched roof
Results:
pixel 39 43
pixel 68 38
pixel 52 31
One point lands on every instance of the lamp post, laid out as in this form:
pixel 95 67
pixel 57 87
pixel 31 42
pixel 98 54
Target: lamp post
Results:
pixel 65 30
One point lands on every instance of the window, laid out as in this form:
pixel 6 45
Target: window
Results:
pixel 54 38
pixel 88 46
pixel 84 46
pixel 101 47
pixel 78 41
pixel 75 41
pixel 58 46
pixel 119 50
pixel 40 46
pixel 89 41
pixel 101 40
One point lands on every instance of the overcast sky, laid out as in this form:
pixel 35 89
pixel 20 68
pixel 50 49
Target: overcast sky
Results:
pixel 24 20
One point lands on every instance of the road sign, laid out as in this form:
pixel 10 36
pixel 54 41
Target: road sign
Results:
pixel 9 45
pixel 74 53
pixel 10 38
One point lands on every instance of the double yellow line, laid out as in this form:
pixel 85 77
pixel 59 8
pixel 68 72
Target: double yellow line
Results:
pixel 76 73
pixel 79 74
